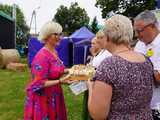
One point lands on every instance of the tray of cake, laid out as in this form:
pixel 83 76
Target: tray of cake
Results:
pixel 80 72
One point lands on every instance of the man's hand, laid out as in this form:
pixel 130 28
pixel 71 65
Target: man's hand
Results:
pixel 157 76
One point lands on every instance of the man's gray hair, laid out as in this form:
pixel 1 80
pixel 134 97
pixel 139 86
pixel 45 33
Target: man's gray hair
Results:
pixel 147 16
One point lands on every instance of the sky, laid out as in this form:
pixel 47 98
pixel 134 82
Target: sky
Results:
pixel 47 9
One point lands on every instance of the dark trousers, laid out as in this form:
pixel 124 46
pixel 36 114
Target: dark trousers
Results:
pixel 156 114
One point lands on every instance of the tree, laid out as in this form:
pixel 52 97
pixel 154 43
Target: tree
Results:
pixel 22 30
pixel 71 18
pixel 129 8
pixel 94 25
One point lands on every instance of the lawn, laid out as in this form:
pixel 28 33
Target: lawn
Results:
pixel 12 95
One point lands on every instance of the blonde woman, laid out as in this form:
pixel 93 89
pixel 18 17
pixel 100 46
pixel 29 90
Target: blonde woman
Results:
pixel 122 86
pixel 94 50
pixel 45 99
pixel 102 53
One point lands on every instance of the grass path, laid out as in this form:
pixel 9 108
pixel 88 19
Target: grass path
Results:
pixel 12 94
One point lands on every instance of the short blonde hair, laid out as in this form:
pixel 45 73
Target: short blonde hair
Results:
pixel 119 29
pixel 48 29
pixel 100 33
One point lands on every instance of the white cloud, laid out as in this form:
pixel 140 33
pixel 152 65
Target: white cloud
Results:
pixel 49 7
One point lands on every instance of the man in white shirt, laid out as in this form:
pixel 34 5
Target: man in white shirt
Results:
pixel 102 54
pixel 145 25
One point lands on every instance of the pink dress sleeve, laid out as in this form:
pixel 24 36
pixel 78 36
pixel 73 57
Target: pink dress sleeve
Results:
pixel 39 71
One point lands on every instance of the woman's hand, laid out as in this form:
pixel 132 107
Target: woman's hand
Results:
pixel 66 71
pixel 66 81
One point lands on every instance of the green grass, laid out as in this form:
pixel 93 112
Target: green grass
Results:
pixel 12 95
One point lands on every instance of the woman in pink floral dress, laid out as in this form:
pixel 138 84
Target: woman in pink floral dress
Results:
pixel 45 100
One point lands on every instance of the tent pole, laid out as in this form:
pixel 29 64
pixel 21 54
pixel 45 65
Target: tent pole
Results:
pixel 71 54
pixel 85 53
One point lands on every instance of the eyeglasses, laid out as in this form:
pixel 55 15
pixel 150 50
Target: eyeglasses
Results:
pixel 57 34
pixel 142 29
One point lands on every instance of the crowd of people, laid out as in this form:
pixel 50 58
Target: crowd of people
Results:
pixel 125 85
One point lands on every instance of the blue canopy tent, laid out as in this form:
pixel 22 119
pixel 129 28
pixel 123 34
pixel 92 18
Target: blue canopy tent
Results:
pixel 85 45
pixel 81 34
pixel 79 47
pixel 65 49
pixel 34 45
pixel 158 4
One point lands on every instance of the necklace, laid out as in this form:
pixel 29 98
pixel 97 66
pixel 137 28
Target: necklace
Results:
pixel 55 54
pixel 122 51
